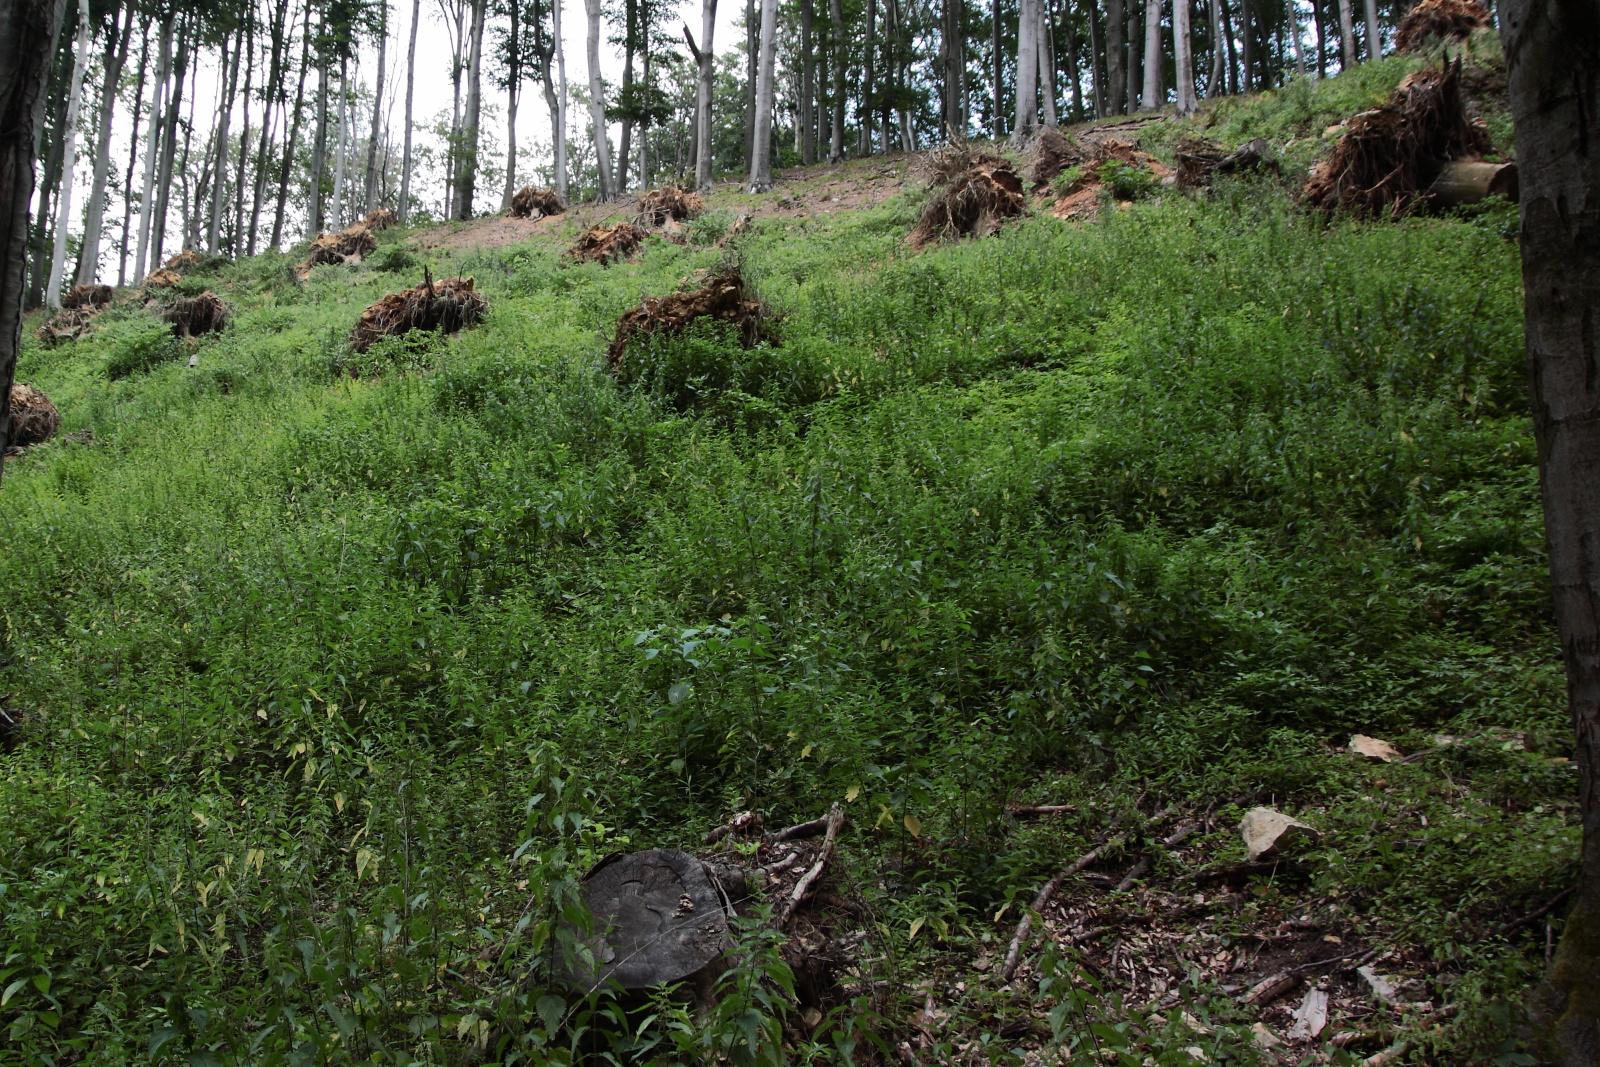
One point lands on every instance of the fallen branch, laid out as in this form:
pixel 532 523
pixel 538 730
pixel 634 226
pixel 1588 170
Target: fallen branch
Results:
pixel 835 821
pixel 1043 809
pixel 739 824
pixel 1275 985
pixel 1535 916
pixel 801 830
pixel 1178 836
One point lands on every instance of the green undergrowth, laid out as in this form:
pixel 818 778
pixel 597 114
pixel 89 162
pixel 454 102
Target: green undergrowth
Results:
pixel 335 672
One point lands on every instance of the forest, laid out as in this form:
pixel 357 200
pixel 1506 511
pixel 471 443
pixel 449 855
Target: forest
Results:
pixel 839 533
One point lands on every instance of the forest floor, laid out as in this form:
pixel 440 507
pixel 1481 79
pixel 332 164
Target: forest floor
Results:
pixel 1046 556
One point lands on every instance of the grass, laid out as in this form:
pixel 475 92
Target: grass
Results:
pixel 333 685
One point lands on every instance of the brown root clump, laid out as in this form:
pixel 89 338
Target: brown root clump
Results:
pixel 188 259
pixel 724 298
pixel 162 279
pixel 88 296
pixel 68 324
pixel 346 246
pixel 34 419
pixel 668 204
pixel 532 203
pixel 1389 156
pixel 607 244
pixel 447 305
pixel 1199 160
pixel 1053 152
pixel 1081 198
pixel 193 316
pixel 979 191
pixel 1446 20
pixel 380 219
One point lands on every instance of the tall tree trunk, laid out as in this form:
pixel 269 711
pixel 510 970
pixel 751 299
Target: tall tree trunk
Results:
pixel 152 148
pixel 836 60
pixel 808 88
pixel 1247 38
pixel 1227 40
pixel 1097 64
pixel 369 199
pixel 53 143
pixel 1294 37
pixel 235 240
pixel 28 34
pixel 997 127
pixel 133 155
pixel 58 260
pixel 1153 95
pixel 1135 53
pixel 1374 37
pixel 169 148
pixel 273 95
pixel 220 177
pixel 955 123
pixel 319 152
pixel 1075 69
pixel 453 147
pixel 561 99
pixel 1552 50
pixel 1047 61
pixel 411 88
pixel 625 146
pixel 513 91
pixel 1116 67
pixel 864 133
pixel 1183 55
pixel 761 148
pixel 337 218
pixel 597 102
pixel 294 135
pixel 703 96
pixel 1216 78
pixel 116 57
pixel 1027 72
pixel 752 43
pixel 1318 24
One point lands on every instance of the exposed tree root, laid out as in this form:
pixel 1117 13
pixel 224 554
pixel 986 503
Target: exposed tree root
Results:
pixel 346 246
pixel 192 316
pixel 668 204
pixel 34 419
pixel 723 298
pixel 380 219
pixel 533 203
pixel 448 305
pixel 978 191
pixel 1446 20
pixel 607 244
pixel 88 296
pixel 1052 152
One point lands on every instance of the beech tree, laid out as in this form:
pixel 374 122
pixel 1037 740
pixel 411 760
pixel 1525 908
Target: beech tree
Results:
pixel 1552 52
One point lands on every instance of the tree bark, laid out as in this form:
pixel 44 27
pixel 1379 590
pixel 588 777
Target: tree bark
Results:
pixel 133 155
pixel 1116 70
pixel 337 217
pixel 752 44
pixel 513 92
pixel 319 152
pixel 219 179
pixel 1552 50
pixel 1074 67
pixel 808 87
pixel 1045 32
pixel 273 96
pixel 864 146
pixel 561 99
pixel 1135 54
pixel 28 31
pixel 1097 74
pixel 1153 95
pixel 58 259
pixel 116 56
pixel 702 104
pixel 836 60
pixel 597 102
pixel 294 134
pixel 1217 78
pixel 1027 114
pixel 169 149
pixel 629 41
pixel 1294 37
pixel 235 241
pixel 1374 37
pixel 1183 56
pixel 761 147
pixel 411 88
pixel 152 149
pixel 467 161
pixel 1247 37
pixel 998 123
pixel 369 200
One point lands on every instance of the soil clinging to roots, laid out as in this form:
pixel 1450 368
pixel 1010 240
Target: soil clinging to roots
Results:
pixel 607 244
pixel 723 297
pixel 1445 20
pixel 380 219
pixel 68 324
pixel 34 419
pixel 188 259
pixel 668 204
pixel 532 203
pixel 192 316
pixel 977 192
pixel 162 279
pixel 346 246
pixel 1389 156
pixel 1052 153
pixel 88 296
pixel 1199 160
pixel 446 305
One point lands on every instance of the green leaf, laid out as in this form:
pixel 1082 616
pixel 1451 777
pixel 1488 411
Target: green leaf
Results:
pixel 159 1038
pixel 551 1009
pixel 11 990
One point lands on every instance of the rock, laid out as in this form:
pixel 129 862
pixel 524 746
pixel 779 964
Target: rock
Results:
pixel 1268 832
pixel 1382 988
pixel 1262 1037
pixel 657 918
pixel 1310 1017
pixel 1372 748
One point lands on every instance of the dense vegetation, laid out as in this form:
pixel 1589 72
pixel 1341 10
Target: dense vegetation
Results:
pixel 335 675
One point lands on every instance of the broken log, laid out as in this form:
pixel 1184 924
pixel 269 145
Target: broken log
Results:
pixel 803 886
pixel 1470 181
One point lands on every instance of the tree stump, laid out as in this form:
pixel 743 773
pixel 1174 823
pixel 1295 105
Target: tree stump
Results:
pixel 657 918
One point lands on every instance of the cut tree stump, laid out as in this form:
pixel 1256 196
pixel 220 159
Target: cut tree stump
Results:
pixel 657 918
pixel 1469 181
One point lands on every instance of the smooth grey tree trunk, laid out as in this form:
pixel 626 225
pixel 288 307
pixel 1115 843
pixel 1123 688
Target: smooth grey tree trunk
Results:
pixel 702 105
pixel 951 79
pixel 467 169
pixel 411 88
pixel 1047 63
pixel 1217 79
pixel 219 178
pixel 513 91
pixel 94 219
pixel 597 101
pixel 244 136
pixel 133 156
pixel 1183 55
pixel 808 87
pixel 761 147
pixel 1153 95
pixel 294 134
pixel 369 199
pixel 561 100
pixel 1347 36
pixel 319 152
pixel 28 32
pixel 1552 50
pixel 1027 72
pixel 337 218
pixel 837 62
pixel 864 135
pixel 58 258
pixel 1374 37
pixel 1116 66
pixel 273 94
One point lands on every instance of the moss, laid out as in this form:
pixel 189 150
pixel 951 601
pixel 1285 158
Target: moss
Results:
pixel 1565 1009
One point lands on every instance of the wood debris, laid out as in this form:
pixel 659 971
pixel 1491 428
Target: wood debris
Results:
pixel 192 316
pixel 976 193
pixel 669 203
pixel 34 419
pixel 1439 20
pixel 723 298
pixel 535 203
pixel 347 247
pixel 607 244
pixel 448 306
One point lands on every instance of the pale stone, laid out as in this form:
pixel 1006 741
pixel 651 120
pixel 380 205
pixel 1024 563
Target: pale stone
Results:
pixel 1268 832
pixel 1372 748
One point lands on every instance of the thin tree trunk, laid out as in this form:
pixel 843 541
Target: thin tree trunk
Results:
pixel 411 88
pixel 453 147
pixel 625 146
pixel 1135 53
pixel 836 60
pixel 337 218
pixel 1074 68
pixel 58 260
pixel 1294 36
pixel 1374 38
pixel 274 95
pixel 1318 23
pixel 703 96
pixel 116 57
pixel 41 241
pixel 133 155
pixel 294 135
pixel 597 102
pixel 1552 50
pixel 1247 34
pixel 1183 55
pixel 864 136
pixel 234 240
pixel 319 152
pixel 1027 73
pixel 1047 61
pixel 1116 68
pixel 1096 62
pixel 1153 95
pixel 1347 36
pixel 513 90
pixel 27 50
pixel 169 150
pixel 369 200
pixel 752 42
pixel 1217 79
pixel 152 147
pixel 998 125
pixel 561 99
pixel 220 177
pixel 955 123
pixel 761 149
pixel 808 88
pixel 1233 55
